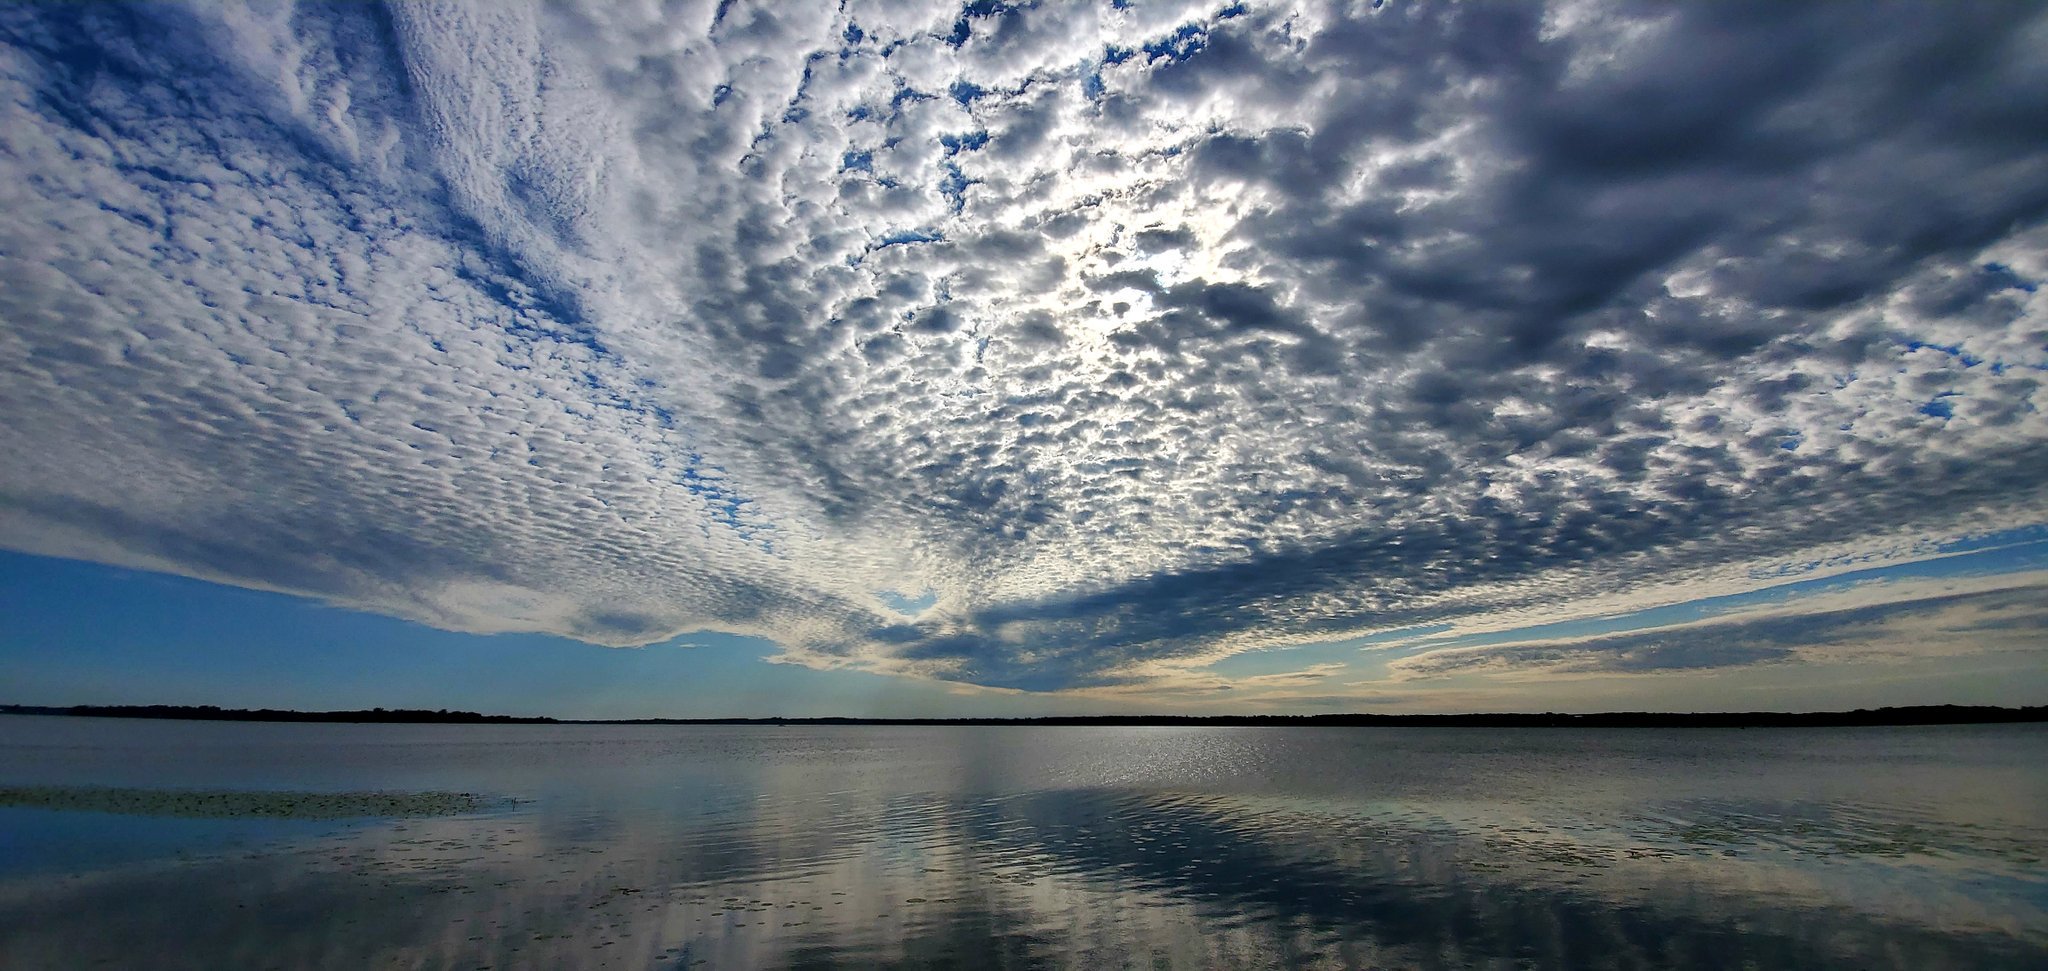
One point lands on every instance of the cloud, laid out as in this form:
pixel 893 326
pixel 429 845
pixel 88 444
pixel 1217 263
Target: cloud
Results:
pixel 2002 618
pixel 1313 674
pixel 1138 336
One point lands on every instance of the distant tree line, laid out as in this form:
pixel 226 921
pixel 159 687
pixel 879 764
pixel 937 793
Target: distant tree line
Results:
pixel 1913 715
pixel 214 713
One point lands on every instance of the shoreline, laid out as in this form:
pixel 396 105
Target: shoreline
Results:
pixel 1859 718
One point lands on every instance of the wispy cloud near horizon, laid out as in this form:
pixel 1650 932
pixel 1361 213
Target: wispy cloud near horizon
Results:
pixel 1028 346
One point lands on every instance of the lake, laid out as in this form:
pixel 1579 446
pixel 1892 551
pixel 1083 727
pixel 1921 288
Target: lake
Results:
pixel 167 844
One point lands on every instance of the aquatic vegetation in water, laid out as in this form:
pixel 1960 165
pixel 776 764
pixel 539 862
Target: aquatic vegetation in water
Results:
pixel 231 803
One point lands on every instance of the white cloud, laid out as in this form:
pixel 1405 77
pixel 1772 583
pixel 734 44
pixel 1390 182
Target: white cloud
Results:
pixel 1138 336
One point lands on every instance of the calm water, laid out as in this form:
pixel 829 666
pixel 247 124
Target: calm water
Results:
pixel 671 847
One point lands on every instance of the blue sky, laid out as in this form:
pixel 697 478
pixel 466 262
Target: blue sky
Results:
pixel 1015 358
pixel 82 633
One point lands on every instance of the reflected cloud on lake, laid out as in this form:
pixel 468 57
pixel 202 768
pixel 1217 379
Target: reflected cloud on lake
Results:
pixel 853 847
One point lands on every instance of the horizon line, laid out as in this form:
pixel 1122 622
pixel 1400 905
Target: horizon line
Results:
pixel 1891 715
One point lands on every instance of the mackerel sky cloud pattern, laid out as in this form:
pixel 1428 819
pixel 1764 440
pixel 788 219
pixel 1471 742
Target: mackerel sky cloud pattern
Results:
pixel 1033 346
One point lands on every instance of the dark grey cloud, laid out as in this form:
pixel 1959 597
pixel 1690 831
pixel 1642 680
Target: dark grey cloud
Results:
pixel 1136 335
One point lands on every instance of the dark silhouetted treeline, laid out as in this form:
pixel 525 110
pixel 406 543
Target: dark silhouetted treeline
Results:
pixel 1914 715
pixel 212 713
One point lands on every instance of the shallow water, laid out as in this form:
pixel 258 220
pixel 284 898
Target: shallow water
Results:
pixel 685 846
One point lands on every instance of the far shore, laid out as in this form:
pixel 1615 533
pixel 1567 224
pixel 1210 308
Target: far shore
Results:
pixel 1861 717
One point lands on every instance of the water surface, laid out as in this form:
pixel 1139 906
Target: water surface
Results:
pixel 752 846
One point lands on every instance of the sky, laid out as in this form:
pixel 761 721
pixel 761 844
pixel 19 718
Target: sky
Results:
pixel 900 358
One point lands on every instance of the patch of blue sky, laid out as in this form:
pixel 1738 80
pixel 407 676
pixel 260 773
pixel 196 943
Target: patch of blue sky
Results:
pixel 534 318
pixel 1956 351
pixel 909 237
pixel 73 632
pixel 1280 660
pixel 954 187
pixel 968 142
pixel 2009 551
pixel 794 112
pixel 966 92
pixel 907 604
pixel 1977 541
pixel 963 27
pixel 2001 539
pixel 1184 43
pixel 2011 278
pixel 906 94
pixel 726 505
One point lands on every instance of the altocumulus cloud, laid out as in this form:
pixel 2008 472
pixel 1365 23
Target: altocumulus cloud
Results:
pixel 1136 333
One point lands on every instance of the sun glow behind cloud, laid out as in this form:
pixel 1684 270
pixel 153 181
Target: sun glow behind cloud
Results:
pixel 1139 335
